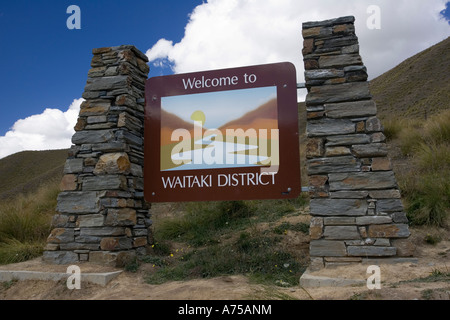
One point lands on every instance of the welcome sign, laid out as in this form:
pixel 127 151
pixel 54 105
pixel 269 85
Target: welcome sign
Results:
pixel 229 134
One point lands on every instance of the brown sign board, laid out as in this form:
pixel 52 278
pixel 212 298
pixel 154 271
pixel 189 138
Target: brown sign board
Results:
pixel 229 134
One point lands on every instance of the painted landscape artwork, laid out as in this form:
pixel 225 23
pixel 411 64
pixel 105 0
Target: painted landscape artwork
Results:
pixel 225 129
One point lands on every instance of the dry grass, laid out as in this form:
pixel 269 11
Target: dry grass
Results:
pixel 25 223
pixel 426 185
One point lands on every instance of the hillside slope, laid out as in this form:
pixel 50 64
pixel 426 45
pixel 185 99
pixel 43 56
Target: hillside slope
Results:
pixel 267 111
pixel 416 88
pixel 24 171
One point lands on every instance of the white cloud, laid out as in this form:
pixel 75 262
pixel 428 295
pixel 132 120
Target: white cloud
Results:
pixel 52 129
pixel 232 33
pixel 159 52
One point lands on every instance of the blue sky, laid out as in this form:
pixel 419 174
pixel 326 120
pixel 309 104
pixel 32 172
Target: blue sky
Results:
pixel 44 65
pixel 219 107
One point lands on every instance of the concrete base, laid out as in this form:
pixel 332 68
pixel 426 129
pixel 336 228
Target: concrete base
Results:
pixel 96 278
pixel 309 281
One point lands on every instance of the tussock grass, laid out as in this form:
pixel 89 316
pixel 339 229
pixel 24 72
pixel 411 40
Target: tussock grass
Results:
pixel 25 223
pixel 392 128
pixel 437 130
pixel 427 198
pixel 426 186
pixel 12 251
pixel 433 157
pixel 410 139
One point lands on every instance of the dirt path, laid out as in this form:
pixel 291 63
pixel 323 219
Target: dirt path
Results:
pixel 132 286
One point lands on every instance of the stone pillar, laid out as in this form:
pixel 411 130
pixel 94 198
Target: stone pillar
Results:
pixel 355 204
pixel 101 213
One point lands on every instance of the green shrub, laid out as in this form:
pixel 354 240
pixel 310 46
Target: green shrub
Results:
pixel 432 239
pixel 161 248
pixel 132 266
pixel 236 209
pixel 154 260
pixel 302 227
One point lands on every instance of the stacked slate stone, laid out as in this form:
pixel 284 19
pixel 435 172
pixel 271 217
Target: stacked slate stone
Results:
pixel 101 213
pixel 355 204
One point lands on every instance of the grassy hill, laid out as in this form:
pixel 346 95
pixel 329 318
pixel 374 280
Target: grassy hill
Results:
pixel 416 88
pixel 413 102
pixel 25 171
pixel 29 185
